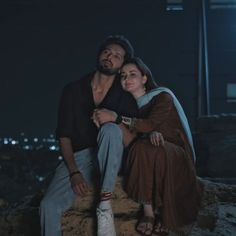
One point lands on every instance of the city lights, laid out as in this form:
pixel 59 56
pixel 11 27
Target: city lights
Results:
pixel 27 143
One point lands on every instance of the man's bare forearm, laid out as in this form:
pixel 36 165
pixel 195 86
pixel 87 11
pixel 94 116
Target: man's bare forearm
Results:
pixel 67 152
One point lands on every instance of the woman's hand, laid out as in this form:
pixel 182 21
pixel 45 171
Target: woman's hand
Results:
pixel 101 116
pixel 156 138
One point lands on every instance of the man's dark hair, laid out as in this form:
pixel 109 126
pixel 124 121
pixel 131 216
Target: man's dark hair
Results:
pixel 119 40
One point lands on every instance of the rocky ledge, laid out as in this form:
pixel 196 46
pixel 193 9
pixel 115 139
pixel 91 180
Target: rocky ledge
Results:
pixel 217 216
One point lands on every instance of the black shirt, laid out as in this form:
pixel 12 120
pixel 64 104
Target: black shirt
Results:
pixel 76 108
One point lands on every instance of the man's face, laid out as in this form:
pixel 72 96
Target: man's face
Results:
pixel 111 59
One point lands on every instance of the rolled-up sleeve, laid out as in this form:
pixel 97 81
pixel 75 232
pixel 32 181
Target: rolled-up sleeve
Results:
pixel 65 119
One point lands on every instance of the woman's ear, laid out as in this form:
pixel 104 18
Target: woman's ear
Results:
pixel 144 79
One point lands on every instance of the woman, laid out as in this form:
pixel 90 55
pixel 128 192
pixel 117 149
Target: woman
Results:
pixel 160 164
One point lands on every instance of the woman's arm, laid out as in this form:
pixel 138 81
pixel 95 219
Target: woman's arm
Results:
pixel 161 106
pixel 160 109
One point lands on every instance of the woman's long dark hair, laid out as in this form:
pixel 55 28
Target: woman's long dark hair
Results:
pixel 150 84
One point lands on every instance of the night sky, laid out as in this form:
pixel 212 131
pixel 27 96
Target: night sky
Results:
pixel 45 44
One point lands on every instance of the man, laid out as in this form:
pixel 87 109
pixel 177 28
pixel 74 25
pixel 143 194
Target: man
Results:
pixel 86 148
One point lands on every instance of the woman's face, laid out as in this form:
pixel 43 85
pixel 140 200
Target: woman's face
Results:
pixel 132 79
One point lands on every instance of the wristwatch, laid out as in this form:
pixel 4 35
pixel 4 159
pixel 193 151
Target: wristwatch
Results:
pixel 118 119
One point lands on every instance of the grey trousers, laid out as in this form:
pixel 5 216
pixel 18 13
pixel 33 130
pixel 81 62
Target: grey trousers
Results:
pixel 59 196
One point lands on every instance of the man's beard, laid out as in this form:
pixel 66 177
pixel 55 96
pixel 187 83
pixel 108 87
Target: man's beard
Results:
pixel 106 71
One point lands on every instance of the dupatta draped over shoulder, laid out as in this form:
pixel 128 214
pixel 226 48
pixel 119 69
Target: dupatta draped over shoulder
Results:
pixel 143 100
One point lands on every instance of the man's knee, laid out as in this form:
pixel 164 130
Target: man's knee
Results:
pixel 110 129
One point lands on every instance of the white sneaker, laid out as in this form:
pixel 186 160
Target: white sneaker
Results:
pixel 105 220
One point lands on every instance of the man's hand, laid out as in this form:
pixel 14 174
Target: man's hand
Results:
pixel 79 185
pixel 156 138
pixel 94 118
pixel 101 116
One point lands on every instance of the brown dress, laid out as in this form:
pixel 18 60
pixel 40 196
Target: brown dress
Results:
pixel 163 176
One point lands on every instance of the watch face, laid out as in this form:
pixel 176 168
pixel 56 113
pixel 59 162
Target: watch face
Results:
pixel 126 119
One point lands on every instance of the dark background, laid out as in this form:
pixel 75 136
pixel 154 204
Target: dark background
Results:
pixel 44 44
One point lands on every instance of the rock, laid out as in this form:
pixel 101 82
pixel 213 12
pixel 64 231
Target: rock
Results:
pixel 5 158
pixel 215 142
pixel 81 219
pixel 217 215
pixel 3 204
pixel 22 218
pixel 207 218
